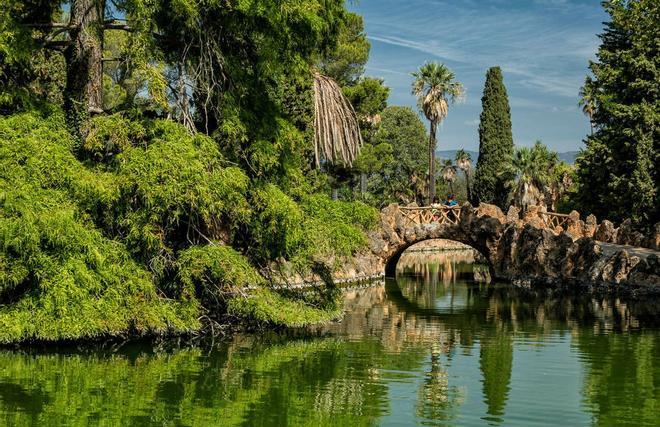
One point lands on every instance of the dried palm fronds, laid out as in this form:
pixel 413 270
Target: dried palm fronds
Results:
pixel 336 129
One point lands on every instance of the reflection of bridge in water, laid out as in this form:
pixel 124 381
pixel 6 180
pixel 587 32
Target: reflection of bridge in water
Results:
pixel 410 310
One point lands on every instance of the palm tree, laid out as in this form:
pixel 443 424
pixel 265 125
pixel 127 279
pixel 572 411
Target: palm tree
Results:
pixel 449 174
pixel 529 173
pixel 588 101
pixel 464 163
pixel 435 88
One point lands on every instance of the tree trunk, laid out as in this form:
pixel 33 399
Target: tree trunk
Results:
pixel 84 81
pixel 432 143
pixel 468 189
pixel 363 183
pixel 335 194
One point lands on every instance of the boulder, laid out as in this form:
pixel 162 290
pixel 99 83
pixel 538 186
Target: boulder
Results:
pixel 493 211
pixel 653 240
pixel 513 214
pixel 606 232
pixel 590 226
pixel 627 235
pixel 575 226
pixel 533 217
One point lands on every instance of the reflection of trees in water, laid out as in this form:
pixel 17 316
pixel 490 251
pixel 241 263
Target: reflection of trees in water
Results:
pixel 622 388
pixel 444 267
pixel 339 379
pixel 244 382
pixel 492 315
pixel 495 361
pixel 438 400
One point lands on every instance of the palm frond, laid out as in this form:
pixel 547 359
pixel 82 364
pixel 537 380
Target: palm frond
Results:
pixel 336 130
pixel 435 87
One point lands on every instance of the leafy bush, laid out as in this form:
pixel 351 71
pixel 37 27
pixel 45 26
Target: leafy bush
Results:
pixel 92 247
pixel 176 191
pixel 211 271
pixel 316 228
pixel 60 277
pixel 267 307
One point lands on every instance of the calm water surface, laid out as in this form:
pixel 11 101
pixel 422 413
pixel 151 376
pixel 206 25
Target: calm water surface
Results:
pixel 433 347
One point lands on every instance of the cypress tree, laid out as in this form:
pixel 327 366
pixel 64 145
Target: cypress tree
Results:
pixel 617 174
pixel 495 142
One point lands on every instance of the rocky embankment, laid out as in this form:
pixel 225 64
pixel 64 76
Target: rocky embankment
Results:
pixel 527 250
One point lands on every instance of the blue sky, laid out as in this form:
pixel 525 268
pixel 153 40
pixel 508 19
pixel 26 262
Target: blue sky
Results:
pixel 543 47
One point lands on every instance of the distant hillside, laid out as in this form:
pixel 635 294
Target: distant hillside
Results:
pixel 567 156
pixel 451 154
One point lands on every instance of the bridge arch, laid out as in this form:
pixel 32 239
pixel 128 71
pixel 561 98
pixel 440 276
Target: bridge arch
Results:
pixel 529 249
pixel 392 261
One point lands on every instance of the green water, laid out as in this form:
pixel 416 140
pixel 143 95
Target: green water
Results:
pixel 431 348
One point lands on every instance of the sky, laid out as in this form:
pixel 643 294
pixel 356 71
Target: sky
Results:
pixel 543 47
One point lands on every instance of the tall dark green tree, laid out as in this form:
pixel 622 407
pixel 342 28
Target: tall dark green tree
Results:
pixel 617 171
pixel 495 141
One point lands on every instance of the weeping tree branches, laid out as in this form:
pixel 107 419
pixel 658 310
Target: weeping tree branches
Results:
pixel 336 130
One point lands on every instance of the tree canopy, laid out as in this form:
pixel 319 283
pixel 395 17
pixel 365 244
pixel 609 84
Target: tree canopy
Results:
pixel 617 171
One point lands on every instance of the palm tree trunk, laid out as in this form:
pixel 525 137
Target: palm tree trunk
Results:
pixel 432 144
pixel 451 187
pixel 468 189
pixel 335 193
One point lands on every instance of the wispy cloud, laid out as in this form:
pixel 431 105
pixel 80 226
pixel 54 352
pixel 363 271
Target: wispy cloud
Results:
pixel 543 51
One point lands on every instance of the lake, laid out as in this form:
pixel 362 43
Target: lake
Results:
pixel 436 346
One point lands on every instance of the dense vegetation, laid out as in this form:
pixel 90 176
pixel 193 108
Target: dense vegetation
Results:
pixel 618 169
pixel 151 197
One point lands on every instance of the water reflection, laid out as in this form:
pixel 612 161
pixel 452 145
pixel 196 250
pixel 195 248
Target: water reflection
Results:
pixel 432 347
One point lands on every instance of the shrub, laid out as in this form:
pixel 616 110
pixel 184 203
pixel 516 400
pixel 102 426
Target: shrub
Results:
pixel 213 270
pixel 265 306
pixel 60 278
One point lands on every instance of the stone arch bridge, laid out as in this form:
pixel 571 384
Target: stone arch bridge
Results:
pixel 534 249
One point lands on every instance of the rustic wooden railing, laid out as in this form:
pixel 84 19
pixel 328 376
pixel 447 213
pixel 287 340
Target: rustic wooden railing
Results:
pixel 429 214
pixel 554 220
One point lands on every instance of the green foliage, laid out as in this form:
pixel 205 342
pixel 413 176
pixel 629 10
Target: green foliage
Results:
pixel 212 271
pixel 174 188
pixel 529 173
pixel 402 179
pixel 373 158
pixel 60 278
pixel 345 63
pixel 180 212
pixel 268 307
pixel 28 78
pixel 316 228
pixel 621 157
pixel 495 141
pixel 368 96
